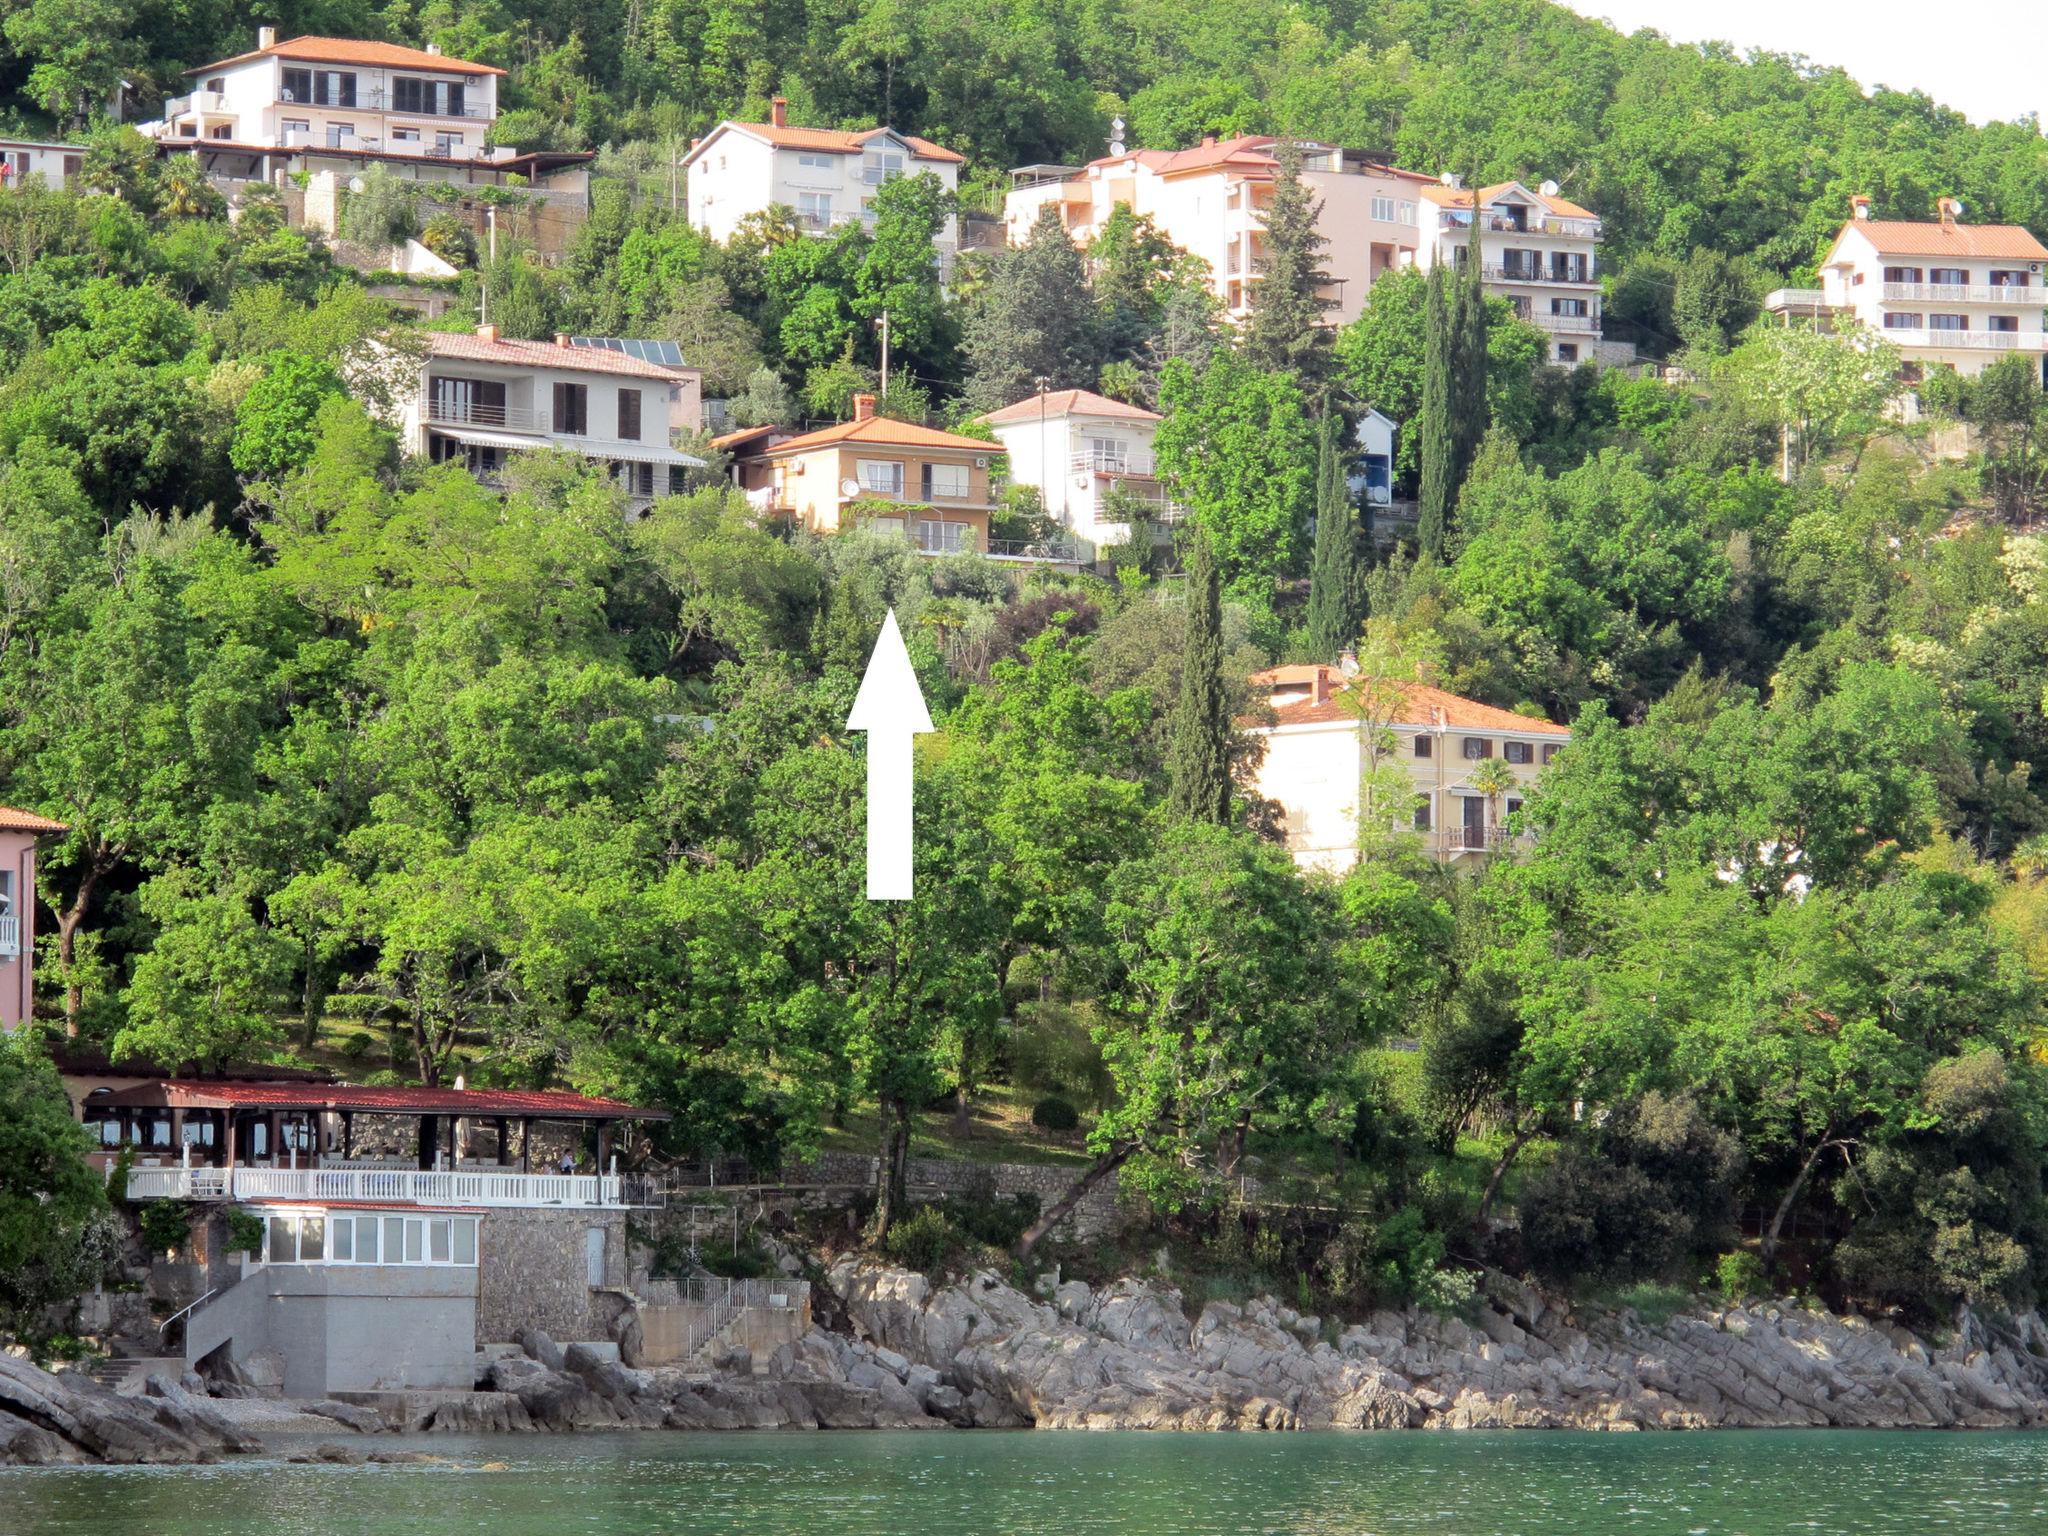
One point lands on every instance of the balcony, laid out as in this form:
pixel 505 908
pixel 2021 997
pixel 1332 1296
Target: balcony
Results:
pixel 1967 341
pixel 1945 293
pixel 377 99
pixel 1456 840
pixel 1552 278
pixel 1500 223
pixel 1565 325
pixel 201 103
pixel 10 936
pixel 374 1185
pixel 1137 461
pixel 473 413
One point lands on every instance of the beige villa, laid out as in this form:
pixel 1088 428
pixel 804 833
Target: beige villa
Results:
pixel 1316 757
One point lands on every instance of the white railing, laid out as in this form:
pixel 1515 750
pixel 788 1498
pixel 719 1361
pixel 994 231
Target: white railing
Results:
pixel 1947 293
pixel 1136 461
pixel 376 1185
pixel 1781 300
pixel 1570 325
pixel 10 935
pixel 1500 223
pixel 474 413
pixel 1570 278
pixel 1973 341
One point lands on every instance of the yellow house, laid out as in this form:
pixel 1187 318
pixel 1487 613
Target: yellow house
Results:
pixel 932 486
pixel 1316 758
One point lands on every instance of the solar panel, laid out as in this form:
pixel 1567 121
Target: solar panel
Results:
pixel 645 349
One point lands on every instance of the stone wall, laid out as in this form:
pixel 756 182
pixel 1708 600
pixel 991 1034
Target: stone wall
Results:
pixel 532 1273
pixel 1103 1212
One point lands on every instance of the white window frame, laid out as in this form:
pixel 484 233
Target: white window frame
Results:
pixel 948 492
pixel 936 536
pixel 880 477
pixel 815 209
pixel 1382 209
pixel 454 1237
pixel 820 162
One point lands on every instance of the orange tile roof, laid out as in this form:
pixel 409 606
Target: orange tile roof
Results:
pixel 1902 237
pixel 546 354
pixel 12 820
pixel 1420 705
pixel 1461 197
pixel 833 141
pixel 744 436
pixel 349 50
pixel 883 430
pixel 1070 402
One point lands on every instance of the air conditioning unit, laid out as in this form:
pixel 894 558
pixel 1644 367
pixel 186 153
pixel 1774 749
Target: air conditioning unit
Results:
pixel 982 462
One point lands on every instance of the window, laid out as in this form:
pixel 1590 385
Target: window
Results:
pixel 1949 277
pixel 299 125
pixel 1568 307
pixel 1422 813
pixel 572 409
pixel 1424 747
pixel 6 893
pixel 447 143
pixel 629 415
pixel 1514 804
pixel 1902 274
pixel 814 209
pixel 341 135
pixel 881 166
pixel 2004 278
pixel 1107 453
pixel 322 87
pixel 405 135
pixel 298 85
pixel 436 98
pixel 1518 752
pixel 218 84
pixel 339 1237
pixel 1567 352
pixel 880 477
pixel 815 162
pixel 1383 209
pixel 2003 323
pixel 936 538
pixel 1477 748
pixel 945 482
pixel 341 1241
pixel 1549 751
pixel 634 479
pixel 1900 320
pixel 1948 322
pixel 1568 267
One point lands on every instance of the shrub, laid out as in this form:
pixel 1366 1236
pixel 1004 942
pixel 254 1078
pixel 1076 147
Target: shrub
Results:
pixel 922 1240
pixel 356 1047
pixel 245 1232
pixel 166 1225
pixel 990 1218
pixel 1739 1274
pixel 1055 1114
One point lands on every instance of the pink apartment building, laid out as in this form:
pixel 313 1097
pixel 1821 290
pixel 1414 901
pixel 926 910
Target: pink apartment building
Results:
pixel 18 833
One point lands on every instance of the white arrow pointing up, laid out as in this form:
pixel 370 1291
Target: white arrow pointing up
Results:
pixel 890 708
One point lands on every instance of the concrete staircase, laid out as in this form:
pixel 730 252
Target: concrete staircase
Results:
pixel 127 1373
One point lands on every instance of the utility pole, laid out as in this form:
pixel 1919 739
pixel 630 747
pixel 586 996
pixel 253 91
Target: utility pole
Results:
pixel 884 324
pixel 672 167
pixel 491 226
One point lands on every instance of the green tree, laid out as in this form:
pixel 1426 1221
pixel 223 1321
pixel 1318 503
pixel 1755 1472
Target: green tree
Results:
pixel 1285 330
pixel 1034 321
pixel 1198 761
pixel 51 1197
pixel 274 424
pixel 1437 433
pixel 1334 584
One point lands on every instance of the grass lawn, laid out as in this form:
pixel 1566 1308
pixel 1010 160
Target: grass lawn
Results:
pixel 998 1130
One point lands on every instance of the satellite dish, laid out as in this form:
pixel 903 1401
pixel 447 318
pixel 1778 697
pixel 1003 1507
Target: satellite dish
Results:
pixel 355 185
pixel 849 487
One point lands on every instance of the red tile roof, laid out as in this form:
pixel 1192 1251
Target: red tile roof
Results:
pixel 833 141
pixel 349 50
pixel 883 430
pixel 472 348
pixel 12 820
pixel 1461 197
pixel 1249 152
pixel 541 1104
pixel 1421 705
pixel 1069 402
pixel 1901 237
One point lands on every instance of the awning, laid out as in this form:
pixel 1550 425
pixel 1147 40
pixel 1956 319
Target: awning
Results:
pixel 526 442
pixel 483 437
pixel 643 453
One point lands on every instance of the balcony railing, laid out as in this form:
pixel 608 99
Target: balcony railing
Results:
pixel 1972 341
pixel 378 1186
pixel 1947 293
pixel 202 102
pixel 10 936
pixel 1500 223
pixel 1050 551
pixel 1569 325
pixel 1462 839
pixel 1136 462
pixel 472 413
pixel 1522 274
pixel 377 99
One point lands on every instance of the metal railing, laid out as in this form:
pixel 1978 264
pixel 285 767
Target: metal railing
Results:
pixel 1575 277
pixel 725 1301
pixel 1974 341
pixel 1462 839
pixel 1947 293
pixel 378 99
pixel 1137 461
pixel 10 934
pixel 473 413
pixel 1052 551
pixel 1568 229
pixel 1570 325
pixel 378 1185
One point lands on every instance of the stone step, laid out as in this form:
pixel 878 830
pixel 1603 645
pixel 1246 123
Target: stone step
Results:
pixel 126 1374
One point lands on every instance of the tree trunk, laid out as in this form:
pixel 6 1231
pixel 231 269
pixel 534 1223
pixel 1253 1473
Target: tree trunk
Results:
pixel 1230 1149
pixel 1102 1168
pixel 1770 1239
pixel 1520 1139
pixel 69 921
pixel 894 1145
pixel 312 1002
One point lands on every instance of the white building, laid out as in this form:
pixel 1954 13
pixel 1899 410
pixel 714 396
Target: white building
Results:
pixel 23 158
pixel 826 176
pixel 1941 292
pixel 1211 202
pixel 1315 760
pixel 483 397
pixel 338 103
pixel 1073 446
pixel 1537 250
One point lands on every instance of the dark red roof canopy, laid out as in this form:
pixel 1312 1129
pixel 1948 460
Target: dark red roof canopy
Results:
pixel 537 1104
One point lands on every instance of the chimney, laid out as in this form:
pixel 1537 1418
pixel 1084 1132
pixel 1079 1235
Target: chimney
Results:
pixel 1321 693
pixel 266 37
pixel 1859 206
pixel 487 333
pixel 434 49
pixel 778 112
pixel 863 407
pixel 1208 141
pixel 561 338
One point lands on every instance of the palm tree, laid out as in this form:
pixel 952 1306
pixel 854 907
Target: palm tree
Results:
pixel 183 192
pixel 1492 778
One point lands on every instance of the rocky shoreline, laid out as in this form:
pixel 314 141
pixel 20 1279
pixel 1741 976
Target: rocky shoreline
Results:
pixel 977 1352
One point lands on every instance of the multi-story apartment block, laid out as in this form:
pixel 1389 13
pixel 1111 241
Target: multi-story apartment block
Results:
pixel 1073 447
pixel 1316 757
pixel 1537 250
pixel 1941 292
pixel 1211 201
pixel 826 176
pixel 483 397
pixel 338 103
pixel 55 163
pixel 18 833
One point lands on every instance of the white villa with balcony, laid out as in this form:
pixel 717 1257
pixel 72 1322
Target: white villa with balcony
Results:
pixel 337 103
pixel 1941 292
pixel 1210 201
pixel 1316 757
pixel 482 398
pixel 1537 249
pixel 1074 446
pixel 826 176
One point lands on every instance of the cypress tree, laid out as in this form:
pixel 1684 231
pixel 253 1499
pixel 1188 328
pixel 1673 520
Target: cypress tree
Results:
pixel 1469 412
pixel 1285 330
pixel 1438 435
pixel 1198 756
pixel 1333 571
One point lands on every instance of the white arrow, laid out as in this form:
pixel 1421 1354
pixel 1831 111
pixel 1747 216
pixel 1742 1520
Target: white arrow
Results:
pixel 890 708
